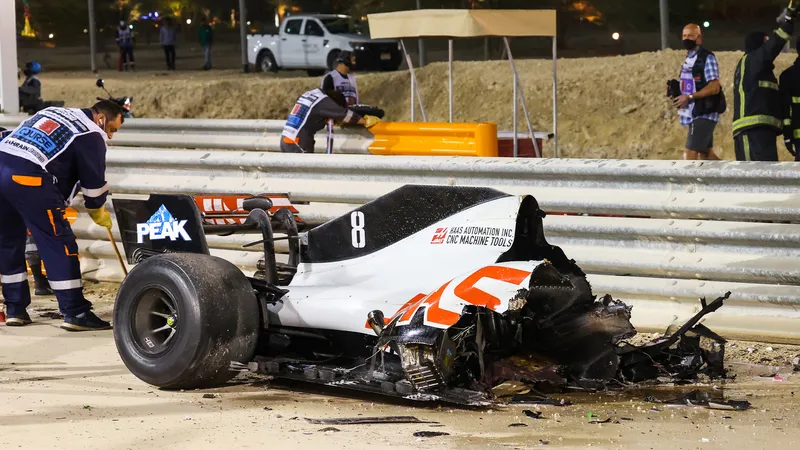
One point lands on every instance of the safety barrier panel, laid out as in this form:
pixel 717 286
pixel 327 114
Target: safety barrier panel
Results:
pixel 701 228
pixel 434 139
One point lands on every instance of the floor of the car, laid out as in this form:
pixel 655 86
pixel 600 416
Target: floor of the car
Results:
pixel 357 379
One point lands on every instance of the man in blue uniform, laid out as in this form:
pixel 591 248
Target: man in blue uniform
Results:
pixel 40 284
pixel 43 162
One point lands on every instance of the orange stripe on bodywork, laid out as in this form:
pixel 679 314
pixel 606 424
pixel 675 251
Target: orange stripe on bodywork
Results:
pixel 437 314
pixel 24 180
pixel 467 291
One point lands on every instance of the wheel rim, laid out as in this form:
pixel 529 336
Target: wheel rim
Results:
pixel 155 323
pixel 266 64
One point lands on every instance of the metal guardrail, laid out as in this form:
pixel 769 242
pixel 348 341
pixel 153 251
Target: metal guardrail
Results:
pixel 225 134
pixel 680 229
pixel 708 226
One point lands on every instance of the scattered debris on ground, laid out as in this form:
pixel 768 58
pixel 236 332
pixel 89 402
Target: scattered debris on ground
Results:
pixel 427 434
pixel 48 313
pixel 367 420
pixel 705 399
pixel 533 415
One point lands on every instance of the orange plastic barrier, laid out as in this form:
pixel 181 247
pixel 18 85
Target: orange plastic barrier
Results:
pixel 434 139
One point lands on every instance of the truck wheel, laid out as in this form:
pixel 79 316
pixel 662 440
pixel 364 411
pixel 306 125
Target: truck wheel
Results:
pixel 265 62
pixel 332 59
pixel 180 319
pixel 315 72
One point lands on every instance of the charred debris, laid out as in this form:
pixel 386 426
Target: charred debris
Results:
pixel 555 337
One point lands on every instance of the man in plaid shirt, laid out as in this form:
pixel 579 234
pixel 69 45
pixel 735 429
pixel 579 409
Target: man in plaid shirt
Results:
pixel 702 101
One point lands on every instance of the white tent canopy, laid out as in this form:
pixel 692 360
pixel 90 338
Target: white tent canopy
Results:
pixel 463 23
pixel 466 23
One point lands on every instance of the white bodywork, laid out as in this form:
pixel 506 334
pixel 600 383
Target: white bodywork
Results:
pixel 301 47
pixel 338 296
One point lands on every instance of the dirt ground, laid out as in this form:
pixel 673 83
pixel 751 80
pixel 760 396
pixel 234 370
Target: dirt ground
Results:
pixel 610 107
pixel 71 391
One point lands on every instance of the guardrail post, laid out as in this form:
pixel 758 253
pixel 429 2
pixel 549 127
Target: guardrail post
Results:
pixel 243 34
pixel 9 96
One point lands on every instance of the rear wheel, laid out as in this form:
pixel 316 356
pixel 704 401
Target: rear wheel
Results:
pixel 315 72
pixel 180 319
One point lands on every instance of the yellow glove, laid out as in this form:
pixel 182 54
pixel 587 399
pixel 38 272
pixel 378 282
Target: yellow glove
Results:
pixel 371 121
pixel 101 216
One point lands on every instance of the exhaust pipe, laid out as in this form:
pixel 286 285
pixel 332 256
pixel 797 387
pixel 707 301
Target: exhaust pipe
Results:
pixel 375 319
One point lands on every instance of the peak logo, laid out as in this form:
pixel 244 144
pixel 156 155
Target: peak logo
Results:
pixel 162 225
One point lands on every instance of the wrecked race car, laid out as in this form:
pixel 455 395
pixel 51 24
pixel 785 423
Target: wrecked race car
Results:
pixel 427 293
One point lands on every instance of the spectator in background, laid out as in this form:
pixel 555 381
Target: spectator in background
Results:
pixel 206 35
pixel 125 43
pixel 701 100
pixel 30 93
pixel 167 39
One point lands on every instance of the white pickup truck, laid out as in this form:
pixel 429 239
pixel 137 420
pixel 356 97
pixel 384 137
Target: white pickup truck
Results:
pixel 312 43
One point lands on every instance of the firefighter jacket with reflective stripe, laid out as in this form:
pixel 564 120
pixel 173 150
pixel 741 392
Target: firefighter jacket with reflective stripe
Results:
pixel 790 101
pixel 757 101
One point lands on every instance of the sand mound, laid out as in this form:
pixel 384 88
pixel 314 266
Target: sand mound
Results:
pixel 613 107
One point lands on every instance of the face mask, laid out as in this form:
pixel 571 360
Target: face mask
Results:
pixel 689 44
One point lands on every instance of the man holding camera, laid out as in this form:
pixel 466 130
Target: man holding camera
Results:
pixel 701 100
pixel 757 114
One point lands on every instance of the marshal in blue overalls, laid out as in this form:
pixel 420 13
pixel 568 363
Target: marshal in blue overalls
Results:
pixel 43 163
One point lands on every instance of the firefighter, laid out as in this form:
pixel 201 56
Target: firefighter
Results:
pixel 312 112
pixel 341 79
pixel 757 101
pixel 42 163
pixel 790 101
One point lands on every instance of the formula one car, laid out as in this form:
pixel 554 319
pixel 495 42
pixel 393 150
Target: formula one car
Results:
pixel 427 293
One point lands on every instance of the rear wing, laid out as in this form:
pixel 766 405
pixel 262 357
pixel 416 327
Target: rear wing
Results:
pixel 179 223
pixel 229 209
pixel 160 224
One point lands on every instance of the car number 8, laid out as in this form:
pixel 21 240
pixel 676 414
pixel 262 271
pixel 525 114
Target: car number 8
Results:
pixel 358 234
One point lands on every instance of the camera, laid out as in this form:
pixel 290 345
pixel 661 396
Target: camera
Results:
pixel 673 89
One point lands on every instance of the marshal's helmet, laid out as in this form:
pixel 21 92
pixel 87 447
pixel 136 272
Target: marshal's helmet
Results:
pixel 346 58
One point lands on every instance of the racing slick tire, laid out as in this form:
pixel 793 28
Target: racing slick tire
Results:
pixel 180 319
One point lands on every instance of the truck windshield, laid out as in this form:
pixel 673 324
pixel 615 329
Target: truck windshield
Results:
pixel 345 26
